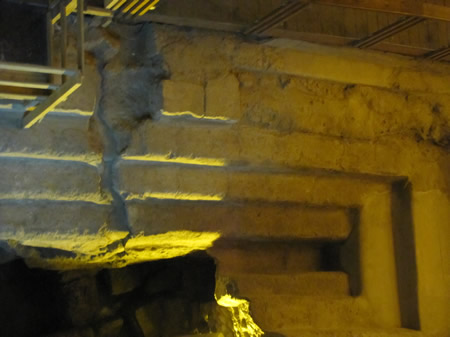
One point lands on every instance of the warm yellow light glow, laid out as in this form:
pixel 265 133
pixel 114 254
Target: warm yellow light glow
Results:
pixel 243 324
pixel 105 248
pixel 149 7
pixel 230 301
pixel 72 112
pixel 95 198
pixel 169 158
pixel 175 196
pixel 194 240
pixel 196 116
pixel 78 243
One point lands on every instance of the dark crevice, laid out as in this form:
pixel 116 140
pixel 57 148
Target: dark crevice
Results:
pixel 110 158
pixel 405 254
pixel 171 294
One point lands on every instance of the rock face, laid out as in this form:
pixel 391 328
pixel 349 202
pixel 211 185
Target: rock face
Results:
pixel 327 186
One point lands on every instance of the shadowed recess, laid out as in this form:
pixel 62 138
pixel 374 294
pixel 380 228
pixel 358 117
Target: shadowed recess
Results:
pixel 405 255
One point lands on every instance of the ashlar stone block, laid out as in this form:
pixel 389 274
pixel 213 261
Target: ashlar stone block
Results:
pixel 223 98
pixel 182 99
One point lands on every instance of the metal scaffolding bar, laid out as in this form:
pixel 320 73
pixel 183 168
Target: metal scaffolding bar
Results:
pixel 80 35
pixel 52 101
pixel 34 68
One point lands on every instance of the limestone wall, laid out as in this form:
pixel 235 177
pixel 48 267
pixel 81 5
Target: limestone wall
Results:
pixel 194 135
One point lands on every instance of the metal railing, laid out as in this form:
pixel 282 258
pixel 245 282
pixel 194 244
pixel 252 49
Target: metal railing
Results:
pixel 38 106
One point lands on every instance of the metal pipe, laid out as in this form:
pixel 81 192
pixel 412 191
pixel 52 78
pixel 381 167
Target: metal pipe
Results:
pixel 63 34
pixel 35 68
pixel 80 37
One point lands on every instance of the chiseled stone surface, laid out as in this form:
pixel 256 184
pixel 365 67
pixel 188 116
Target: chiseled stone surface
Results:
pixel 223 97
pixel 265 258
pixel 179 97
pixel 241 220
pixel 68 137
pixel 324 284
pixel 49 179
pixel 44 216
pixel 288 311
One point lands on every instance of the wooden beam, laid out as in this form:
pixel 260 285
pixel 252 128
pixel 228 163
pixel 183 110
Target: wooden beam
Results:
pixel 52 101
pixel 410 7
pixel 277 17
pixel 388 31
pixel 439 54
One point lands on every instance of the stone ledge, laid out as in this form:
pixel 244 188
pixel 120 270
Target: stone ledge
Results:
pixel 56 137
pixel 308 60
pixel 384 159
pixel 264 257
pixel 324 284
pixel 173 182
pixel 241 220
pixel 288 311
pixel 51 216
pixel 24 178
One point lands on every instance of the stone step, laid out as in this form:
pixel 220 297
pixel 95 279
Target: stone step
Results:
pixel 30 216
pixel 346 333
pixel 237 144
pixel 269 257
pixel 240 220
pixel 329 284
pixel 164 181
pixel 24 178
pixel 277 312
pixel 61 137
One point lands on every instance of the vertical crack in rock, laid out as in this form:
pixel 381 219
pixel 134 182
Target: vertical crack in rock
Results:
pixel 111 155
pixel 130 69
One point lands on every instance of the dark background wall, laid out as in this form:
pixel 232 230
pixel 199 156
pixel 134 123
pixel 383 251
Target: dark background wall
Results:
pixel 22 33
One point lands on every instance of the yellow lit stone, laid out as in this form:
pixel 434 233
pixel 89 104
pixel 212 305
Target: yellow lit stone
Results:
pixel 94 250
pixel 243 324
pixel 168 158
pixel 175 196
